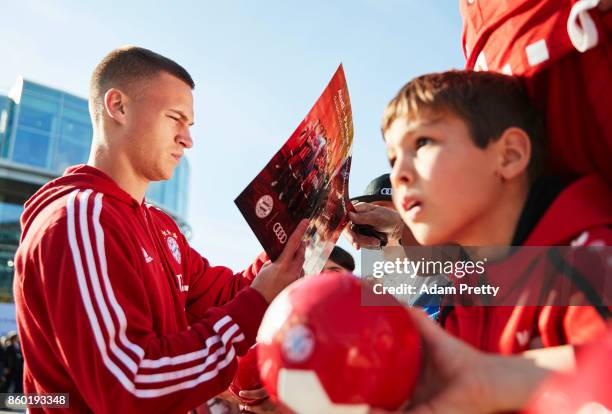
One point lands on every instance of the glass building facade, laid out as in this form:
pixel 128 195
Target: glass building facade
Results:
pixel 43 131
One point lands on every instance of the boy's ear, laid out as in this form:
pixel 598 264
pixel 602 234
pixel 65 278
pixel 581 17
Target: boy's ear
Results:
pixel 514 149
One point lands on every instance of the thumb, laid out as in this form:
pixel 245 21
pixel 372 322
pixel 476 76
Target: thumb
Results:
pixel 363 207
pixel 294 242
pixel 366 216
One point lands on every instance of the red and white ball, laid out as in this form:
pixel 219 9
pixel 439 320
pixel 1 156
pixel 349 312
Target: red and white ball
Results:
pixel 321 351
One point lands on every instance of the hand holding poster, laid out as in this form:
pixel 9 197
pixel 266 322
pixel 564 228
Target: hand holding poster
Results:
pixel 306 178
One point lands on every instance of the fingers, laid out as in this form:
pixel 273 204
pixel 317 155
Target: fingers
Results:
pixel 265 407
pixel 350 235
pixel 360 240
pixel 294 270
pixel 363 217
pixel 380 218
pixel 294 242
pixel 363 213
pixel 363 207
pixel 368 242
pixel 300 256
pixel 256 394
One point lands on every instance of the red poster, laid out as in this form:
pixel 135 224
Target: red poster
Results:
pixel 306 178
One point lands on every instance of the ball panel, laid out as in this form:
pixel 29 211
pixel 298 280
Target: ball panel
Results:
pixel 301 391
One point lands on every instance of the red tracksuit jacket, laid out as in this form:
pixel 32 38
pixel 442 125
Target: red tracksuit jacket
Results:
pixel 115 308
pixel 580 215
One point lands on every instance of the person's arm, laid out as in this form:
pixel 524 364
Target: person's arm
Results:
pixel 457 378
pixel 214 285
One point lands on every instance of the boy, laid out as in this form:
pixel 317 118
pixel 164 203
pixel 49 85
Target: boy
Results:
pixel 466 154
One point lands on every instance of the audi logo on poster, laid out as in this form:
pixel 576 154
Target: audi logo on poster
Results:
pixel 279 231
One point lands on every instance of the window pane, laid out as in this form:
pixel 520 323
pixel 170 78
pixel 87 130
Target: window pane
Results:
pixel 155 192
pixel 78 114
pixel 40 90
pixel 10 213
pixel 33 117
pixel 7 116
pixel 69 153
pixel 7 269
pixel 76 131
pixel 31 148
pixel 170 193
pixel 9 239
pixel 41 102
pixel 75 101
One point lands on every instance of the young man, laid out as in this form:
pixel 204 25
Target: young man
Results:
pixel 114 307
pixel 465 150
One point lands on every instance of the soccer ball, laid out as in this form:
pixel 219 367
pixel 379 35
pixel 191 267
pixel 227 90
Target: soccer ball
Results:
pixel 320 351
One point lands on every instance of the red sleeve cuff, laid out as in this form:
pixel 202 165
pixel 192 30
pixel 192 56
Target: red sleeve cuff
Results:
pixel 250 272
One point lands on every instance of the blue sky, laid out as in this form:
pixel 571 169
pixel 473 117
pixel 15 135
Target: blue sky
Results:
pixel 258 67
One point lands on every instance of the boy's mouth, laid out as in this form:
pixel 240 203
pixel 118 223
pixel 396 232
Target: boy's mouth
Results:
pixel 411 206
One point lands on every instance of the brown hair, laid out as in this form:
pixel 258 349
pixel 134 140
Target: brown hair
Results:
pixel 125 66
pixel 488 103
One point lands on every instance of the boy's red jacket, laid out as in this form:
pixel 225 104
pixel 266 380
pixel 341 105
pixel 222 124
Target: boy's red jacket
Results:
pixel 580 215
pixel 115 308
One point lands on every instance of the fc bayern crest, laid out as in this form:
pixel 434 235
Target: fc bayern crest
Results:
pixel 298 344
pixel 264 206
pixel 174 249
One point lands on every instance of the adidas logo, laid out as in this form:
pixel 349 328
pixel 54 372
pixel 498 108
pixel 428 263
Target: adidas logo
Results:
pixel 147 258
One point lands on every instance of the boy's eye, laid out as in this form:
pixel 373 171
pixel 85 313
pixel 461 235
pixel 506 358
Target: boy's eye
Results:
pixel 174 118
pixel 391 161
pixel 422 141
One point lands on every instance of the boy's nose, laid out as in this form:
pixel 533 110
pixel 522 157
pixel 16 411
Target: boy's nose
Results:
pixel 402 173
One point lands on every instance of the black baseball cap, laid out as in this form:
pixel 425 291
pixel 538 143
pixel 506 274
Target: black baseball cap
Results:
pixel 342 258
pixel 379 189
